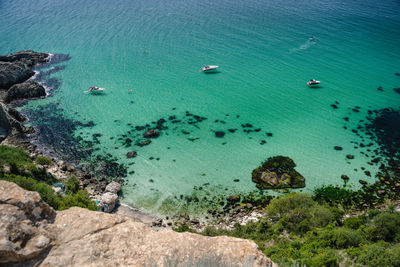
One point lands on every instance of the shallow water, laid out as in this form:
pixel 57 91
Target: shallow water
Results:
pixel 156 49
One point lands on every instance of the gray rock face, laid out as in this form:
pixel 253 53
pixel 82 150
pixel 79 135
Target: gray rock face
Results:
pixel 12 73
pixel 28 56
pixel 5 125
pixel 17 68
pixel 26 90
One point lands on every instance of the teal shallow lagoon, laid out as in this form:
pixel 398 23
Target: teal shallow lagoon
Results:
pixel 156 49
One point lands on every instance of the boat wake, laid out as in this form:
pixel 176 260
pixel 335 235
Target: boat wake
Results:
pixel 304 46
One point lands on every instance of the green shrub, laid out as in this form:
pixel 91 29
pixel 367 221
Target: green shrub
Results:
pixel 46 192
pixel 334 195
pixel 42 160
pixel 386 226
pixel 345 238
pixel 378 254
pixel 299 213
pixel 355 222
pixel 78 199
pixel 72 185
pixel 13 156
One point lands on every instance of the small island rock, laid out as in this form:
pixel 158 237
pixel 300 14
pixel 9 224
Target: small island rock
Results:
pixel 278 172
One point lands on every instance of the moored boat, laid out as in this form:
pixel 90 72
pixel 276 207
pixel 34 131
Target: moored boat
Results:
pixel 313 82
pixel 209 68
pixel 95 89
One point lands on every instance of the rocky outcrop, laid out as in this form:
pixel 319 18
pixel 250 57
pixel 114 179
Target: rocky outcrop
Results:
pixel 9 125
pixel 26 90
pixel 23 220
pixel 12 73
pixel 277 172
pixel 108 201
pixel 79 237
pixel 5 125
pixel 113 187
pixel 17 68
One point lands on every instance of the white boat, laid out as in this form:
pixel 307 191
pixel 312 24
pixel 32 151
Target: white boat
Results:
pixel 209 68
pixel 95 89
pixel 313 82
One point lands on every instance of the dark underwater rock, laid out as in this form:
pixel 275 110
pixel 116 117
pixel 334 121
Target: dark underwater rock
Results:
pixel 278 172
pixel 219 134
pixel 397 90
pixel 131 154
pixel 338 148
pixel 344 177
pixel 26 90
pixel 349 156
pixel 143 143
pixel 151 134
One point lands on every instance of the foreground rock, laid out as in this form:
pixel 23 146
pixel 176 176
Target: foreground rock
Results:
pixel 277 172
pixel 79 237
pixel 26 90
pixel 23 220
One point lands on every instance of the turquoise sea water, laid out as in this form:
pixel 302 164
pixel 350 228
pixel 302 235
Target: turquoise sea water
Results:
pixel 156 48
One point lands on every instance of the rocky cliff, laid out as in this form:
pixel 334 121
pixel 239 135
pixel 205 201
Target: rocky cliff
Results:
pixel 33 234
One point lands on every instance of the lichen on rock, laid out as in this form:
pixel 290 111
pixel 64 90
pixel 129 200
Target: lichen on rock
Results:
pixel 277 172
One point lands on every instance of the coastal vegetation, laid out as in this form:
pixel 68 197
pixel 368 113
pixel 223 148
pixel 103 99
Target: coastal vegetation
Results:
pixel 16 166
pixel 297 230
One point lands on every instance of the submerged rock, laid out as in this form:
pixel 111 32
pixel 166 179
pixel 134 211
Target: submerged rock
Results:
pixel 151 134
pixel 278 172
pixel 143 143
pixel 219 134
pixel 131 154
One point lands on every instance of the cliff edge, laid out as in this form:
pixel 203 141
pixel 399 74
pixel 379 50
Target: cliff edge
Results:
pixel 32 233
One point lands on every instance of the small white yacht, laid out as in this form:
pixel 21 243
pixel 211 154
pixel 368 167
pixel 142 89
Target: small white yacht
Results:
pixel 209 68
pixel 95 89
pixel 313 82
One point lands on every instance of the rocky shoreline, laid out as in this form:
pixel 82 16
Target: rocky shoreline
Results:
pixel 16 87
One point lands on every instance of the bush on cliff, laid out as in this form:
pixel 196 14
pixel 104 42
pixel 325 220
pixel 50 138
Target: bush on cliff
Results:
pixel 42 160
pixel 16 166
pixel 46 192
pixel 16 161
